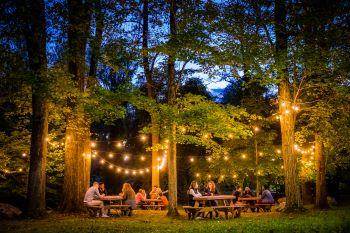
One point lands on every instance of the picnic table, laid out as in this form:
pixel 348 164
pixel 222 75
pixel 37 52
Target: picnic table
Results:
pixel 227 206
pixel 154 204
pixel 111 202
pixel 253 204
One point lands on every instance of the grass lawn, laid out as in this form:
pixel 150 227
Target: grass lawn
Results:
pixel 334 220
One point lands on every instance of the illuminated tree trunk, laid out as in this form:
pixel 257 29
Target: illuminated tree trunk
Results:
pixel 172 170
pixel 287 120
pixel 77 153
pixel 36 45
pixel 150 92
pixel 321 193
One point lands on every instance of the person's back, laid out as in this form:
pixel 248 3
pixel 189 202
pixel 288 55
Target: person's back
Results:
pixel 165 201
pixel 266 197
pixel 91 194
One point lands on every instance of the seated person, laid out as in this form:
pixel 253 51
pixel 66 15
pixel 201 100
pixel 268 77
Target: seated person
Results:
pixel 237 193
pixel 92 197
pixel 247 192
pixel 128 195
pixel 102 189
pixel 266 196
pixel 140 197
pixel 211 190
pixel 193 192
pixel 154 194
pixel 165 201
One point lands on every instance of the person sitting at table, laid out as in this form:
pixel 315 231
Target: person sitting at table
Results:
pixel 92 197
pixel 247 192
pixel 154 194
pixel 165 201
pixel 128 195
pixel 237 193
pixel 211 190
pixel 140 197
pixel 102 189
pixel 193 192
pixel 266 196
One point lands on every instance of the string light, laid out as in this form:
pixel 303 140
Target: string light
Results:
pixel 209 176
pixel 142 158
pixel 110 166
pixel 261 153
pixel 278 151
pixel 126 157
pixel 47 139
pixel 287 111
pixel 226 157
pixel 143 138
pixel 244 156
pixel 119 144
pixel 295 108
pixel 20 169
pixel 209 159
pixel 234 176
pixel 256 129
pixel 110 155
pixel 126 171
pixel 230 135
pixel 134 172
pixel 93 144
pixel 68 137
pixel 119 169
pixel 191 159
pixel 24 155
pixel 147 170
pixel 197 174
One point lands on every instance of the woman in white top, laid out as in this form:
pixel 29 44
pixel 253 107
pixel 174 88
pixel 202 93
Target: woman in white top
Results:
pixel 193 192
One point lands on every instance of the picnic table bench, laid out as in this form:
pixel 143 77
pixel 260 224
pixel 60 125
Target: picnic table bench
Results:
pixel 264 207
pixel 117 205
pixel 153 204
pixel 227 206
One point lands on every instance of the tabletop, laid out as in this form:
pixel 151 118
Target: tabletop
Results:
pixel 152 200
pixel 249 198
pixel 215 197
pixel 111 198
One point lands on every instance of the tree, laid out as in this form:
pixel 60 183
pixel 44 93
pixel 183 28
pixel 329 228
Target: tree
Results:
pixel 287 118
pixel 77 166
pixel 36 45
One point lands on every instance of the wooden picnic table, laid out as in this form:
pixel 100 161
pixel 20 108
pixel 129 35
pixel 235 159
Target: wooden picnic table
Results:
pixel 249 198
pixel 153 204
pixel 111 198
pixel 227 207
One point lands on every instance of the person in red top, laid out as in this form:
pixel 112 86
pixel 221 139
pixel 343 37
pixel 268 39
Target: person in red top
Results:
pixel 140 197
pixel 165 201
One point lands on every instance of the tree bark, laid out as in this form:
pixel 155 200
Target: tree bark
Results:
pixel 287 120
pixel 321 193
pixel 97 40
pixel 150 92
pixel 78 150
pixel 172 170
pixel 36 45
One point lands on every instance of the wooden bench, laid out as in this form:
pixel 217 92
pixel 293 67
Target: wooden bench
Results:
pixel 154 207
pixel 264 207
pixel 235 210
pixel 93 210
pixel 192 211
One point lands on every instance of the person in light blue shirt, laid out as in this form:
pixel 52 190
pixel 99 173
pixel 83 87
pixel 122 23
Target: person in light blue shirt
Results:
pixel 266 196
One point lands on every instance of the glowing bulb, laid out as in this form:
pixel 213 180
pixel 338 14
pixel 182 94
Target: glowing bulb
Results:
pixel 119 169
pixel 134 172
pixel 24 155
pixel 110 166
pixel 102 161
pixel 287 111
pixel 126 171
pixel 234 176
pixel 256 129
pixel 209 176
pixel 230 135
pixel 62 144
pixel 143 138
pixel 197 174
pixel 296 146
pixel 283 104
pixel 158 159
pixel 209 159
pixel 119 144
pixel 261 153
pixel 147 170
pixel 282 167
pixel 222 176
pixel 20 169
pixel 126 157
pixel 6 171
pixel 278 151
pixel 110 155
pixel 312 157
pixel 93 144
pixel 272 159
pixel 191 160
pixel 141 171
pixel 244 156
pixel 295 108
pixel 226 157
pixel 166 140
pixel 277 117
pixel 47 139
pixel 142 158
pixel 68 137
pixel 93 156
pixel 206 136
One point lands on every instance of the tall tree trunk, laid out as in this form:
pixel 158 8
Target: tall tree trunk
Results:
pixel 150 92
pixel 78 150
pixel 321 193
pixel 287 120
pixel 172 170
pixel 97 40
pixel 36 45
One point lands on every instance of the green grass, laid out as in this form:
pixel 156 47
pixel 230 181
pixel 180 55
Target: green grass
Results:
pixel 334 220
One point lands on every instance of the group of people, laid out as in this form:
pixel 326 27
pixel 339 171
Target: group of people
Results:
pixel 211 190
pixel 97 191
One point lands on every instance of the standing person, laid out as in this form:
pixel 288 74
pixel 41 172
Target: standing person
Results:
pixel 92 197
pixel 128 195
pixel 211 190
pixel 102 189
pixel 266 196
pixel 140 197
